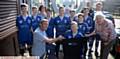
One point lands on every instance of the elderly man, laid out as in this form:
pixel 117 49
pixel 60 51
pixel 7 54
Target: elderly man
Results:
pixel 105 29
pixel 40 38
pixel 73 50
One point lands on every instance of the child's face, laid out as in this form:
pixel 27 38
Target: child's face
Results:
pixel 80 18
pixel 43 9
pixel 24 9
pixel 72 13
pixel 34 10
pixel 49 13
pixel 86 11
pixel 61 11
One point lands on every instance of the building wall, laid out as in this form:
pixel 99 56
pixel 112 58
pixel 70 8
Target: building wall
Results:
pixel 8 31
pixel 111 5
pixel 9 9
pixel 9 46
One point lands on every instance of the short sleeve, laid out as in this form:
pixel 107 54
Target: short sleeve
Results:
pixel 39 36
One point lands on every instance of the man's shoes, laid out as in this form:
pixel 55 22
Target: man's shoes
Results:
pixel 96 54
pixel 89 54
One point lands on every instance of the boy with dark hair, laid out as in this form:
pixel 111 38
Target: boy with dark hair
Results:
pixel 61 24
pixel 35 18
pixel 91 27
pixel 23 23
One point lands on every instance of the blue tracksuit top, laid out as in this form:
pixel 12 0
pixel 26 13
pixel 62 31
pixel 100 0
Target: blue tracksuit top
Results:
pixel 24 29
pixel 83 28
pixel 91 24
pixel 61 26
pixel 50 28
pixel 69 35
pixel 35 22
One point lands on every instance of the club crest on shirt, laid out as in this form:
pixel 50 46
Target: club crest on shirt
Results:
pixel 58 21
pixel 38 19
pixel 32 19
pixel 29 21
pixel 80 26
pixel 88 21
pixel 80 34
pixel 65 21
pixel 83 28
pixel 69 36
pixel 20 21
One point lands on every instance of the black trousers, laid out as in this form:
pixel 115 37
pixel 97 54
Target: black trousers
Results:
pixel 85 39
pixel 71 48
pixel 57 47
pixel 71 52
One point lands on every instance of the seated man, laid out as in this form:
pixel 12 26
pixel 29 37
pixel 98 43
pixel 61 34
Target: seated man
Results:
pixel 72 47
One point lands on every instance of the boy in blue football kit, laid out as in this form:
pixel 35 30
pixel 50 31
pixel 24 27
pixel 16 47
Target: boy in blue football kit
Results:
pixel 50 29
pixel 50 48
pixel 61 24
pixel 91 26
pixel 83 28
pixel 23 23
pixel 35 18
